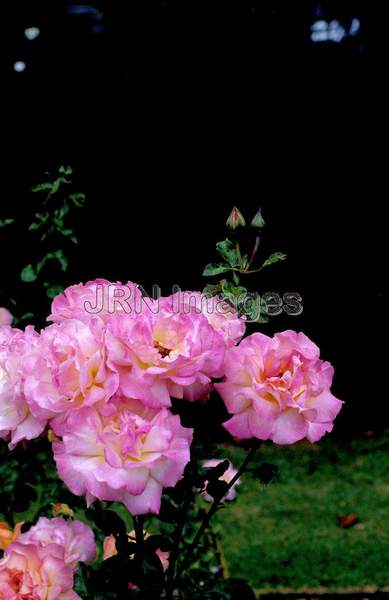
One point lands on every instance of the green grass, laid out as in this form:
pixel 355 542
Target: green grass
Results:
pixel 287 534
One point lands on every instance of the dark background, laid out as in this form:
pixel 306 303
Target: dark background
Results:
pixel 172 112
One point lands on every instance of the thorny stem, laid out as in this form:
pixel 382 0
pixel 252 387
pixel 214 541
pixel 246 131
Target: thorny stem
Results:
pixel 176 546
pixel 213 509
pixel 139 539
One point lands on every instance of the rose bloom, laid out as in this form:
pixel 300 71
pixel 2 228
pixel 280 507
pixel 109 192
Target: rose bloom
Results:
pixel 227 476
pixel 31 572
pixel 96 299
pixel 76 538
pixel 8 535
pixel 67 370
pixel 109 548
pixel 278 389
pixel 124 452
pixel 161 354
pixel 5 316
pixel 222 317
pixel 16 421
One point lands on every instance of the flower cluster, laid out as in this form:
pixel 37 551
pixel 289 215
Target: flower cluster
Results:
pixel 41 563
pixel 102 376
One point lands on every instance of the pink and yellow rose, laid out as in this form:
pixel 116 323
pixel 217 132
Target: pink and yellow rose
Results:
pixel 34 572
pixel 67 370
pixel 16 419
pixel 278 389
pixel 163 354
pixel 97 299
pixel 75 537
pixel 123 452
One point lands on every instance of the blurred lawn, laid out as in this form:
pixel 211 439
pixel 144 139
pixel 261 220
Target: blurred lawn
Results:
pixel 287 534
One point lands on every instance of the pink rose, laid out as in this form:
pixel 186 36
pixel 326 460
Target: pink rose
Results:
pixel 5 317
pixel 16 421
pixel 163 354
pixel 96 299
pixel 278 389
pixel 124 452
pixel 227 476
pixel 76 538
pixel 222 317
pixel 68 370
pixel 31 572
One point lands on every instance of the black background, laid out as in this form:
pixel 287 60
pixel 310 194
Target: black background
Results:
pixel 172 112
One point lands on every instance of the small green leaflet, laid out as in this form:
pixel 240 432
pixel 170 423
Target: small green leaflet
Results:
pixel 5 222
pixel 215 269
pixel 29 273
pixel 227 251
pixel 273 258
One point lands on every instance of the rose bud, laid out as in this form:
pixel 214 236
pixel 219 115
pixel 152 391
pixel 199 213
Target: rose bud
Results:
pixel 258 221
pixel 235 220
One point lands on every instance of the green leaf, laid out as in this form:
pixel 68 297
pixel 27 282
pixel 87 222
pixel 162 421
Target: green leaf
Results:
pixel 245 261
pixel 254 309
pixel 41 187
pixel 227 251
pixel 232 290
pixel 26 317
pixel 235 277
pixel 211 290
pixel 53 290
pixel 273 258
pixel 61 212
pixel 78 199
pixel 215 269
pixel 5 222
pixel 42 218
pixel 28 274
pixel 57 255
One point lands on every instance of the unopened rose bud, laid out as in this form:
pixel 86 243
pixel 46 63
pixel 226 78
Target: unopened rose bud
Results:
pixel 235 220
pixel 258 221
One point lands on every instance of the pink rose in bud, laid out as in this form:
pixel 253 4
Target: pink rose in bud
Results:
pixel 5 316
pixel 278 389
pixel 227 476
pixel 235 219
pixel 96 299
pixel 68 370
pixel 76 538
pixel 16 421
pixel 222 317
pixel 162 354
pixel 32 572
pixel 109 548
pixel 124 452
